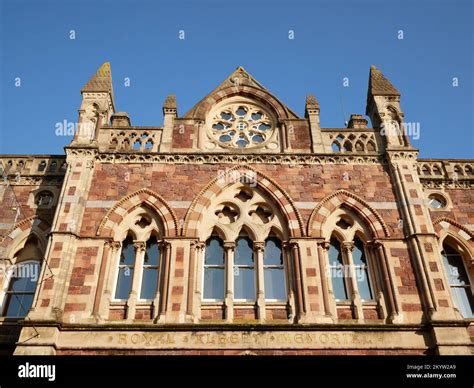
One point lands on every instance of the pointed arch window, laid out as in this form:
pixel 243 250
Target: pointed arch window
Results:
pixel 214 269
pixel 125 270
pixel 151 269
pixel 459 281
pixel 274 270
pixel 22 279
pixel 244 269
pixel 349 270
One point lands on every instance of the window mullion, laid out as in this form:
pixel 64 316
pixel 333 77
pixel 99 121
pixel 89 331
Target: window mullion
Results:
pixel 258 264
pixel 229 247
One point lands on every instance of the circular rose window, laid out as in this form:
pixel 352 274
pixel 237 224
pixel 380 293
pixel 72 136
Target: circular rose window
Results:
pixel 241 126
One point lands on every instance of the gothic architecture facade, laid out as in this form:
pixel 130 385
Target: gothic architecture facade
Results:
pixel 236 228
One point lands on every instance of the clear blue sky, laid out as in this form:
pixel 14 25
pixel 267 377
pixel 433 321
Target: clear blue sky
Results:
pixel 332 40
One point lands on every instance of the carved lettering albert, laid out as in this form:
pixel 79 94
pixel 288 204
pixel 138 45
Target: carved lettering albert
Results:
pixel 245 339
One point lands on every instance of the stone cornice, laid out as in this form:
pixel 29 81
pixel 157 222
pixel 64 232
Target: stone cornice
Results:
pixel 430 183
pixel 239 158
pixel 35 180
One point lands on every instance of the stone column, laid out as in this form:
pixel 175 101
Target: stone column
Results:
pixel 299 287
pixel 195 251
pixel 258 248
pixel 164 284
pixel 199 247
pixel 101 279
pixel 393 306
pixel 290 281
pixel 347 247
pixel 140 248
pixel 110 278
pixel 229 247
pixel 329 303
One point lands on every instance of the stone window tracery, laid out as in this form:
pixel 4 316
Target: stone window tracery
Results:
pixel 241 125
pixel 243 259
pixel 353 266
pixel 140 259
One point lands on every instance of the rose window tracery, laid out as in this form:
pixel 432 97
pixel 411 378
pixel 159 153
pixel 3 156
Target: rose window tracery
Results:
pixel 241 126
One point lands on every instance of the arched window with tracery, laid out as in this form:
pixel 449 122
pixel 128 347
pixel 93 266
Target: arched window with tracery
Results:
pixel 354 266
pixel 137 277
pixel 244 262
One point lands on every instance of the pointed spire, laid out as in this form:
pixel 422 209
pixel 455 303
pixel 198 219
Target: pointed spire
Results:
pixel 379 85
pixel 170 102
pixel 311 102
pixel 100 81
pixel 312 105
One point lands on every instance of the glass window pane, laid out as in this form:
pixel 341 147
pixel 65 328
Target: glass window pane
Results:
pixel 275 284
pixel 244 283
pixel 363 283
pixel 24 277
pixel 455 268
pixel 214 251
pixel 152 254
pixel 18 305
pixel 465 301
pixel 214 283
pixel 149 282
pixel 124 283
pixel 272 254
pixel 358 255
pixel 127 256
pixel 243 251
pixel 339 286
pixel 337 271
pixel 335 257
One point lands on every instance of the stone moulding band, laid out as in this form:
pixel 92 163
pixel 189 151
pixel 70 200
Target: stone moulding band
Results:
pixel 201 158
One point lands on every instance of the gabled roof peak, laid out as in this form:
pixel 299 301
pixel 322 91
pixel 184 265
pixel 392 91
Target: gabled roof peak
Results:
pixel 238 78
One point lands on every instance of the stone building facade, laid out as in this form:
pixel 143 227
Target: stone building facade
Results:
pixel 236 228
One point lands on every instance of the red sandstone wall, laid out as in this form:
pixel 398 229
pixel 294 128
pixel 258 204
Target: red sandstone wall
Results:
pixel 183 182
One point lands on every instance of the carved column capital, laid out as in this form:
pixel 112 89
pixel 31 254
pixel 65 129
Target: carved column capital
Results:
pixel 375 244
pixel 140 246
pixel 229 245
pixel 115 244
pixel 290 244
pixel 198 244
pixel 348 246
pixel 258 246
pixel 324 244
pixel 164 243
